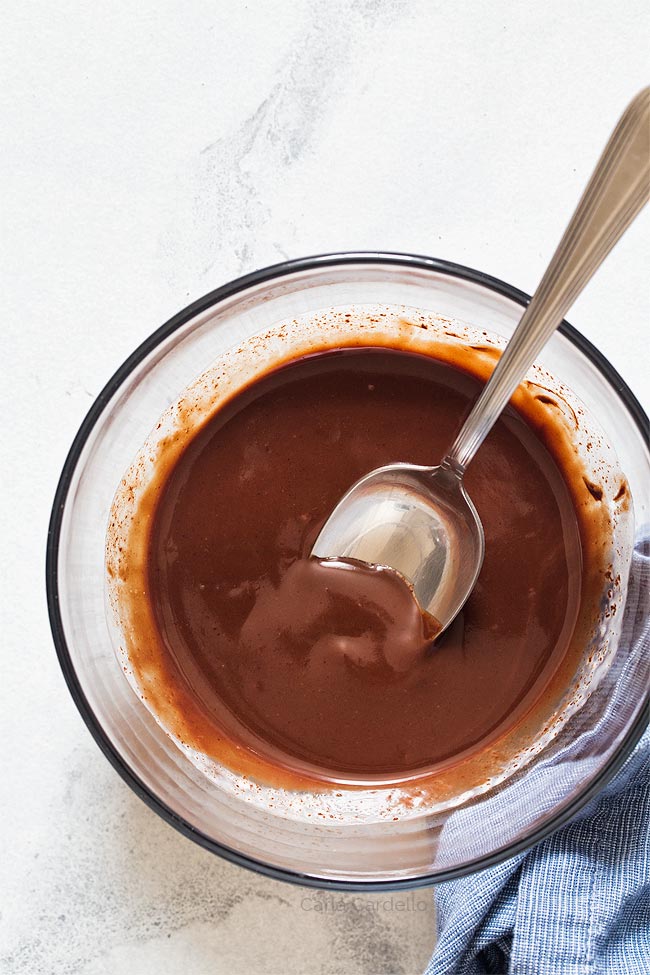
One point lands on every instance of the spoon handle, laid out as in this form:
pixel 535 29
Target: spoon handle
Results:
pixel 617 191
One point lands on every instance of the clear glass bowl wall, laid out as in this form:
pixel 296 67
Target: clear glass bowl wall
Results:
pixel 419 850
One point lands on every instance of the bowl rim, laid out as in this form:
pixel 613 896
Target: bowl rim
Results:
pixel 212 298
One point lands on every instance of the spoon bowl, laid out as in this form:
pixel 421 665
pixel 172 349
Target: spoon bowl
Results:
pixel 419 521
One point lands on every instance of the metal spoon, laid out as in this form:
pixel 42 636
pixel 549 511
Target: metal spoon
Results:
pixel 420 520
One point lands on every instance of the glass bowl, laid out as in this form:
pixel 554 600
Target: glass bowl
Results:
pixel 368 852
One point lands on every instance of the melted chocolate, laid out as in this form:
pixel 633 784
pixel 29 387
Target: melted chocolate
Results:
pixel 332 668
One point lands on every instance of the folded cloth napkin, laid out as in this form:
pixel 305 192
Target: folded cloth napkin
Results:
pixel 578 903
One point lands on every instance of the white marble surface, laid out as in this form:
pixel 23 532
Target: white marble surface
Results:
pixel 151 153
